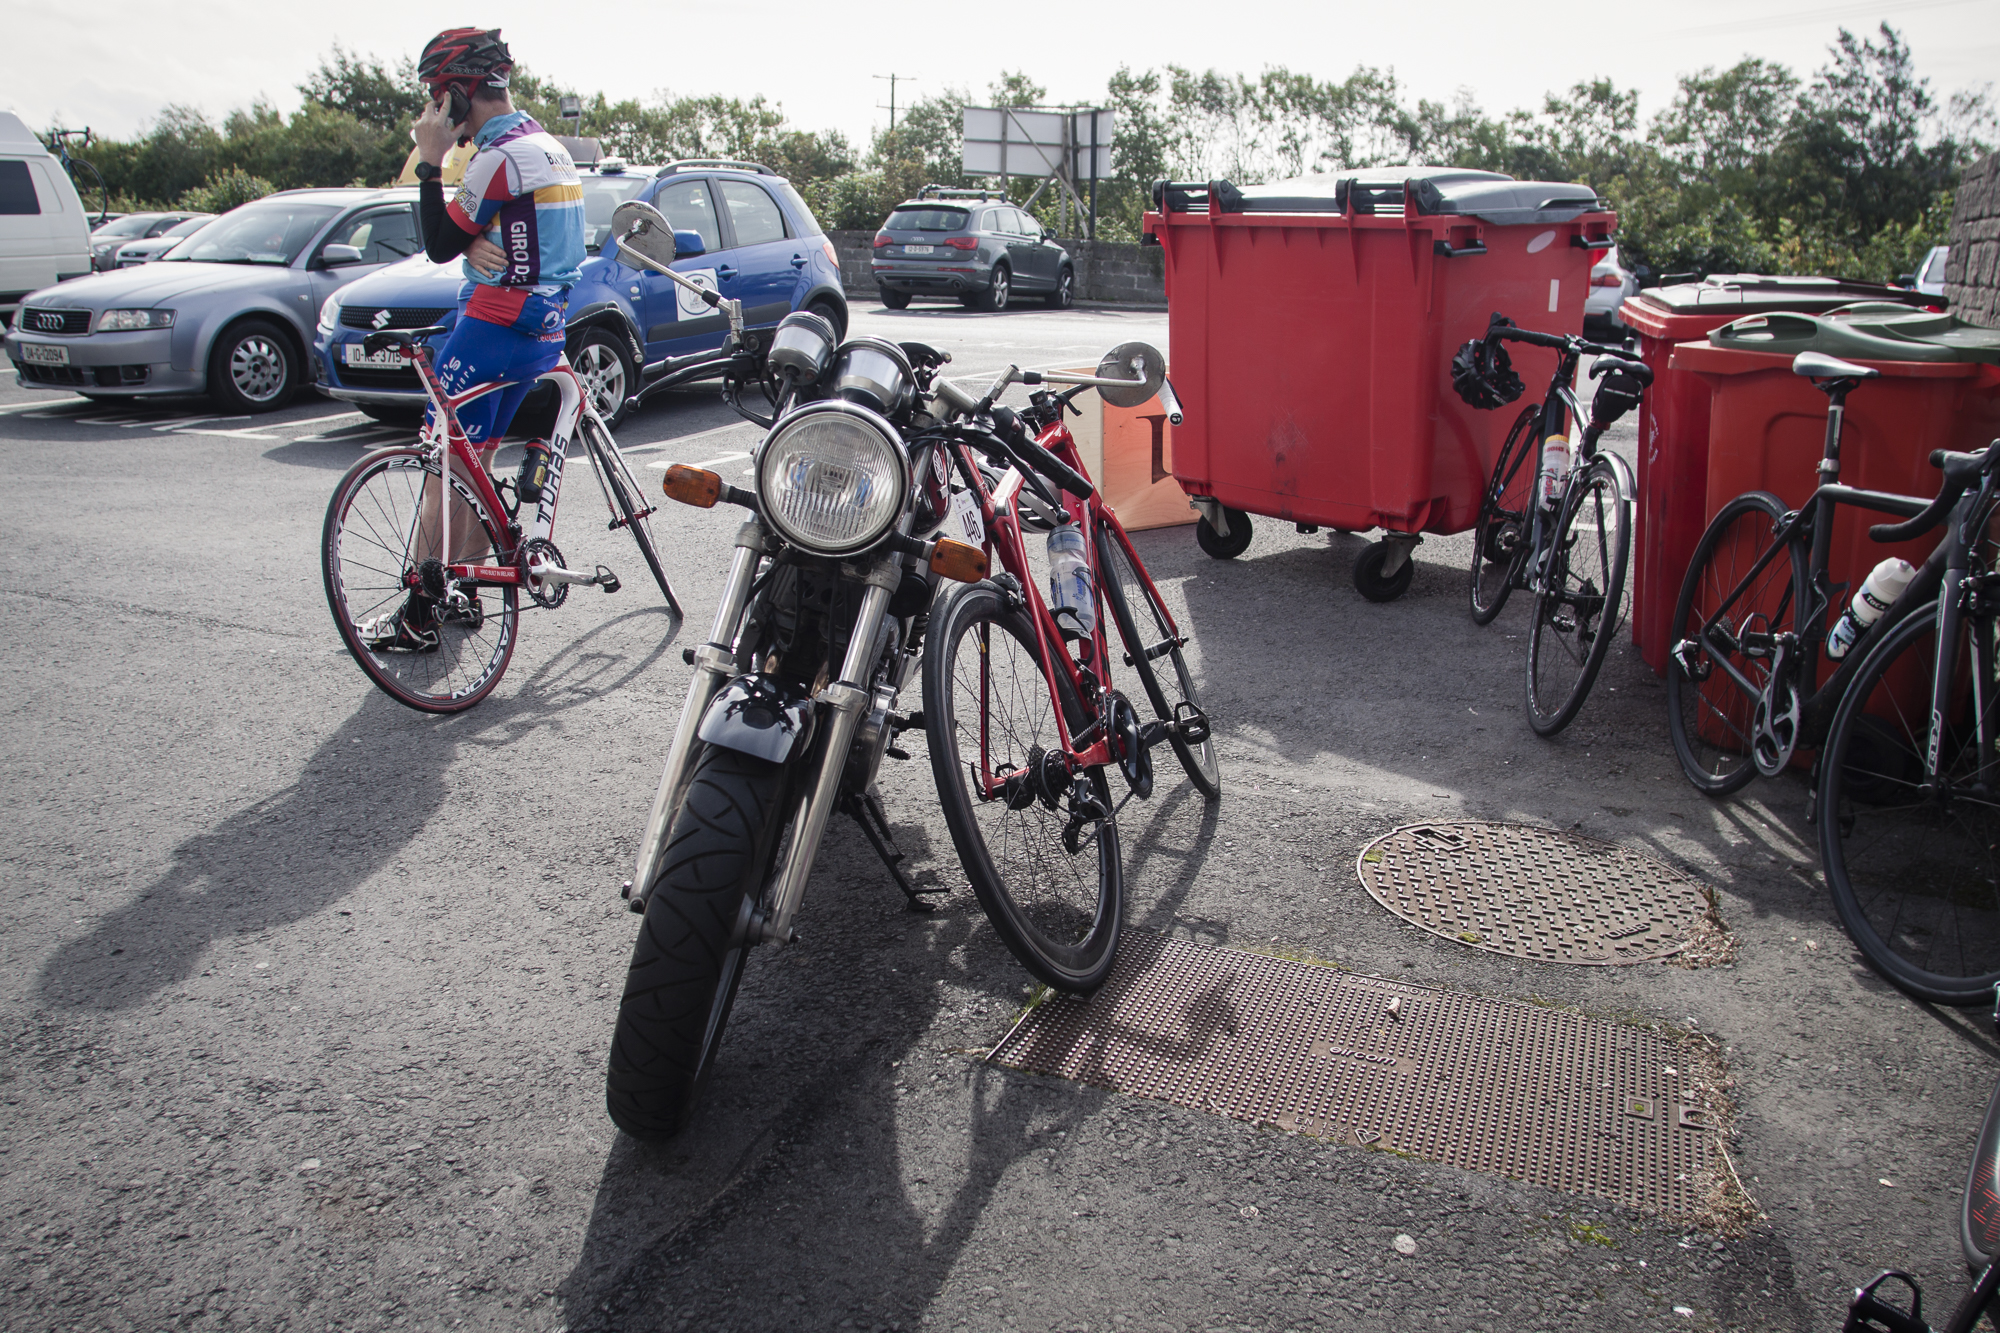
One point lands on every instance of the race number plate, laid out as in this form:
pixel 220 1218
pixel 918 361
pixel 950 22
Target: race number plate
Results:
pixel 44 354
pixel 962 521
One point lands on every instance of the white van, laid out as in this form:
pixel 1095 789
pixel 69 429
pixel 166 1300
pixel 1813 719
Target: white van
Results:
pixel 44 235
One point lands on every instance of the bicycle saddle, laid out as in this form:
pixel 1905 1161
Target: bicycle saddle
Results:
pixel 1820 366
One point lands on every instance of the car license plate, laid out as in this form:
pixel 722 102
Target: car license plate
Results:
pixel 389 358
pixel 962 521
pixel 916 249
pixel 44 354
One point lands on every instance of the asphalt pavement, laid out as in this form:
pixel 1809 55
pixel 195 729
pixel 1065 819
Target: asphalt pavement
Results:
pixel 307 997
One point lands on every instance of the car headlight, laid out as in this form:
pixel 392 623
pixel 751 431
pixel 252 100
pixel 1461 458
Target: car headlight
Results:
pixel 122 321
pixel 329 313
pixel 832 478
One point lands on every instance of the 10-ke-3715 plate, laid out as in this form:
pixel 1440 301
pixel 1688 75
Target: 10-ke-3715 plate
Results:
pixel 1534 892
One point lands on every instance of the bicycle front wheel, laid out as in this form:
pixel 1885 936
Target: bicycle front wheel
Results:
pixel 996 756
pixel 1501 536
pixel 630 508
pixel 1149 637
pixel 1709 713
pixel 1579 598
pixel 1914 867
pixel 370 550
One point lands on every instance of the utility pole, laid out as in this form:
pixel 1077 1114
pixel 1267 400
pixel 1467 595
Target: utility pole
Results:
pixel 891 108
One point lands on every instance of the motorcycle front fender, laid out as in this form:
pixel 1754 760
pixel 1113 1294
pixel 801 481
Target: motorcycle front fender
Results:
pixel 761 717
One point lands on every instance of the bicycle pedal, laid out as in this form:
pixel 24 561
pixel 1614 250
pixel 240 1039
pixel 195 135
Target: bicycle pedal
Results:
pixel 607 580
pixel 895 752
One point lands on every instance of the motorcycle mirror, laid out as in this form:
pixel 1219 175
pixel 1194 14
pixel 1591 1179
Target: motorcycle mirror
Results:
pixel 1141 363
pixel 640 228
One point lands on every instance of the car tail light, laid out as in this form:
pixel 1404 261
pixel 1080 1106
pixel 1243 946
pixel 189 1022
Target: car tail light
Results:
pixel 1607 280
pixel 883 238
pixel 962 242
pixel 832 255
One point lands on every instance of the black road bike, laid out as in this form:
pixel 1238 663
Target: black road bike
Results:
pixel 1567 549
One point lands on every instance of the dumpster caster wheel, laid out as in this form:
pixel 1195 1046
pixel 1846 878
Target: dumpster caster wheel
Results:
pixel 1219 546
pixel 1376 578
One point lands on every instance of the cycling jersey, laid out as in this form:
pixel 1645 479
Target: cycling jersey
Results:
pixel 522 191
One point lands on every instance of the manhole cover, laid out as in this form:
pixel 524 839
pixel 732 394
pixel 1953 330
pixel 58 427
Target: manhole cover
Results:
pixel 1542 1095
pixel 1534 893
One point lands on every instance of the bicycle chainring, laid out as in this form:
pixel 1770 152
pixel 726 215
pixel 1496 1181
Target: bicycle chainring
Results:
pixel 549 595
pixel 1774 727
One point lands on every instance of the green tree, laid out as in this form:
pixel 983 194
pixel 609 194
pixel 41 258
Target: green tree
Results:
pixel 365 90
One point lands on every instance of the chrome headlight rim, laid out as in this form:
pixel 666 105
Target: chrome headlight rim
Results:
pixel 899 470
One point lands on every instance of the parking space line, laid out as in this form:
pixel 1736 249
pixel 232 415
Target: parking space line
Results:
pixel 683 441
pixel 663 464
pixel 44 407
pixel 226 434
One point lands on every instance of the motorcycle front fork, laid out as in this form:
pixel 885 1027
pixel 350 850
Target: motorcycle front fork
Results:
pixel 845 698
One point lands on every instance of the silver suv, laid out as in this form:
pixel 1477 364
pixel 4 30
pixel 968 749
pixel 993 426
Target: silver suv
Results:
pixel 969 245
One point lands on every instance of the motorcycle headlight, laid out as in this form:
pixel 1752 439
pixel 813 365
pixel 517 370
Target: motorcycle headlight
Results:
pixel 832 478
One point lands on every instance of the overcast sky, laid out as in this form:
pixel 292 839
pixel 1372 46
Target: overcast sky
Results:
pixel 113 64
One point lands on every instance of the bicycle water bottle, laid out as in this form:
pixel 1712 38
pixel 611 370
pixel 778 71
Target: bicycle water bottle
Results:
pixel 1885 583
pixel 1071 587
pixel 534 473
pixel 1555 468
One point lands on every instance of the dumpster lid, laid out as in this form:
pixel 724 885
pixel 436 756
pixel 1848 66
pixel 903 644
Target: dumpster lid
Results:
pixel 1750 293
pixel 1487 195
pixel 1791 332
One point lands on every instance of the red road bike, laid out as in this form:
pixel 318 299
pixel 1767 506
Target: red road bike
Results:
pixel 393 530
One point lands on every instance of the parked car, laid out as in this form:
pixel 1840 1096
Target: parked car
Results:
pixel 152 247
pixel 106 240
pixel 1610 283
pixel 227 312
pixel 760 243
pixel 1929 277
pixel 44 232
pixel 968 245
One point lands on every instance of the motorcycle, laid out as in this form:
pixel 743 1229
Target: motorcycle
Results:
pixel 794 704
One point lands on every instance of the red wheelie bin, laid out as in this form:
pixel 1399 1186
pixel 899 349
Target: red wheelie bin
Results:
pixel 1312 324
pixel 1673 422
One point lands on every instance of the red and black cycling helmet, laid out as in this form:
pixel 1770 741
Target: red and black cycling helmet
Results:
pixel 458 60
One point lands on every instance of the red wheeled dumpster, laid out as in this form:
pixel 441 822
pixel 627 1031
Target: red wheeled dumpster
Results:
pixel 1673 423
pixel 1312 325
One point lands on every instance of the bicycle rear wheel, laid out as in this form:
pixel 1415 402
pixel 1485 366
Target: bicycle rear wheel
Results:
pixel 987 712
pixel 1501 536
pixel 1123 585
pixel 369 561
pixel 1578 598
pixel 1709 713
pixel 1914 873
pixel 629 507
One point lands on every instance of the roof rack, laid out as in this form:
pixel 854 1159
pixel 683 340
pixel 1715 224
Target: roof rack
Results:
pixel 947 192
pixel 699 163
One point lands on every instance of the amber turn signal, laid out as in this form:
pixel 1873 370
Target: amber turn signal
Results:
pixel 958 561
pixel 692 486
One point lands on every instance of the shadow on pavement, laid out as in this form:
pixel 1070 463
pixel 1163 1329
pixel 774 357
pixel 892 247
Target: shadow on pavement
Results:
pixel 360 798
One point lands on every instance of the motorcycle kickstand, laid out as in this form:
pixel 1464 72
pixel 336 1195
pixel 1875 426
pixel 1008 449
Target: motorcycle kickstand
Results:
pixel 866 810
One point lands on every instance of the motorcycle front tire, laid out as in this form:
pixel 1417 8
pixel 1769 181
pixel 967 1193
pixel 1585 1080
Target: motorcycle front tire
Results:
pixel 690 953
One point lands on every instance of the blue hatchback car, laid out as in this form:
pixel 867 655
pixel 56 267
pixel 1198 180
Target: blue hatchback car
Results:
pixel 760 245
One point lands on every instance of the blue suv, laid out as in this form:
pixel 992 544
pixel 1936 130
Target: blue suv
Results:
pixel 760 245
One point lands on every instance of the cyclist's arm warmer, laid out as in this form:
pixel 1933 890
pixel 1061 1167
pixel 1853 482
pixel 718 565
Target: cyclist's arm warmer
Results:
pixel 444 240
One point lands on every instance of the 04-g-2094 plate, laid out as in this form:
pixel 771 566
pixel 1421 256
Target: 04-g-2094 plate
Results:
pixel 1533 892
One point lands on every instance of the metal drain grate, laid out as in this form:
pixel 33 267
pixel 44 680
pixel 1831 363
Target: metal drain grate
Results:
pixel 1541 1095
pixel 1534 893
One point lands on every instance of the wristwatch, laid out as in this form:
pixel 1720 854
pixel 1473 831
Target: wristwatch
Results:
pixel 428 171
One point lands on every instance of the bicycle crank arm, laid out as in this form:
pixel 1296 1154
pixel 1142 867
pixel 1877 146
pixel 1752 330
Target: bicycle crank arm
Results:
pixel 1189 723
pixel 543 572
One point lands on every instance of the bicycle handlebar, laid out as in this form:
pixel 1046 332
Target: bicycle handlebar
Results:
pixel 1044 462
pixel 1960 471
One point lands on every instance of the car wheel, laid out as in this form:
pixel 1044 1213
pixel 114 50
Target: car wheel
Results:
pixel 995 296
pixel 601 359
pixel 835 316
pixel 1064 296
pixel 252 368
pixel 895 300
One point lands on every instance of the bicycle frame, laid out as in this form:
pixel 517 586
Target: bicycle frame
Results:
pixel 999 508
pixel 1959 586
pixel 1558 409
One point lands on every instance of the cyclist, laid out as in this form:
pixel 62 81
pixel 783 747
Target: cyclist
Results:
pixel 517 225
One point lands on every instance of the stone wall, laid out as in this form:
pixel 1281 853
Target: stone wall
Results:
pixel 1107 272
pixel 1972 272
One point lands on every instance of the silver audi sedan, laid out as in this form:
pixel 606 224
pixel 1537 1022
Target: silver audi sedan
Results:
pixel 228 312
